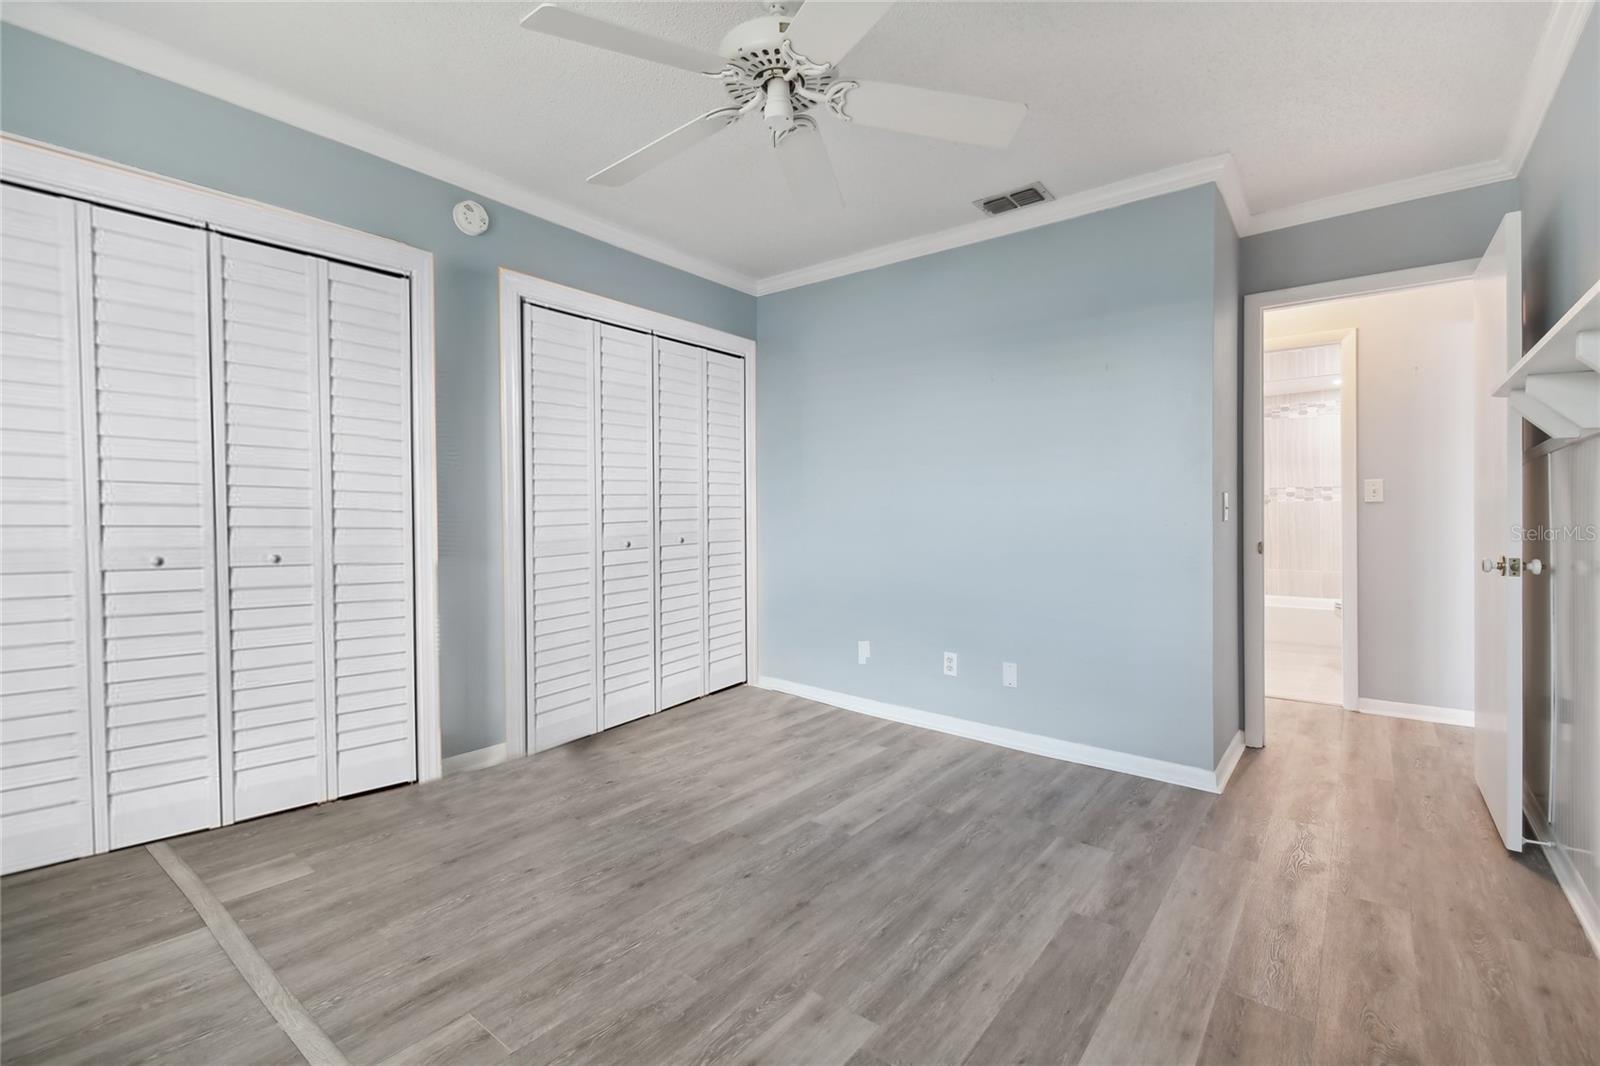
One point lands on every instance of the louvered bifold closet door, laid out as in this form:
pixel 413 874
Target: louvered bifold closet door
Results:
pixel 680 517
pixel 264 352
pixel 373 675
pixel 562 527
pixel 627 619
pixel 46 798
pixel 152 537
pixel 725 620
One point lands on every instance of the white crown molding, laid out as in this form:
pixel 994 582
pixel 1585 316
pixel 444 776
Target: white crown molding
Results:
pixel 135 50
pixel 1373 196
pixel 1213 170
pixel 1173 773
pixel 1550 60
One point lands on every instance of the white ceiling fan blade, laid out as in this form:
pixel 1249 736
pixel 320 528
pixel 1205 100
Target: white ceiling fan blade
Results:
pixel 558 21
pixel 825 30
pixel 806 167
pixel 665 147
pixel 930 113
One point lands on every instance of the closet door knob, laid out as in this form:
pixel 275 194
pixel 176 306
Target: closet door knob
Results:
pixel 627 544
pixel 274 558
pixel 680 540
pixel 157 560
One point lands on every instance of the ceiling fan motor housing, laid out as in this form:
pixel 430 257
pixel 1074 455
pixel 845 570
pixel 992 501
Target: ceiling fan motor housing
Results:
pixel 756 54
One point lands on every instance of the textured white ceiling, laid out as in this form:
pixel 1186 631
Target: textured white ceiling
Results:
pixel 1311 99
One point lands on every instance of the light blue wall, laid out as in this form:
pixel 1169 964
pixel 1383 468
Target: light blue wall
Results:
pixel 67 97
pixel 1006 451
pixel 1560 187
pixel 1435 229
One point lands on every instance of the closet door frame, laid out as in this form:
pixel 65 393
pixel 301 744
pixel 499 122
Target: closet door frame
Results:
pixel 49 169
pixel 516 290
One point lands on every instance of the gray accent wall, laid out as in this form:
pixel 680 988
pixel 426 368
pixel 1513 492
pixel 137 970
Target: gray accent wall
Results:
pixel 1560 191
pixel 1435 229
pixel 55 93
pixel 1009 451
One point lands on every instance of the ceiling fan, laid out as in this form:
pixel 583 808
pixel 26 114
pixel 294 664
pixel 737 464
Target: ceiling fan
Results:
pixel 785 67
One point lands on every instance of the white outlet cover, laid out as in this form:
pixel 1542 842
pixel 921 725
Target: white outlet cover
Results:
pixel 863 651
pixel 1372 490
pixel 1008 675
pixel 950 663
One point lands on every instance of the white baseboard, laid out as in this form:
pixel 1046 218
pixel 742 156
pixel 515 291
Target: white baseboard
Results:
pixel 493 755
pixel 1418 712
pixel 1051 747
pixel 1578 894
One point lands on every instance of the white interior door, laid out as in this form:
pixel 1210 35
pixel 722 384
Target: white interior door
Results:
pixel 562 619
pixel 46 808
pixel 1497 469
pixel 680 519
pixel 271 526
pixel 725 521
pixel 151 537
pixel 627 616
pixel 373 701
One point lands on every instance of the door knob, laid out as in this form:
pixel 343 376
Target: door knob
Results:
pixel 627 544
pixel 1489 566
pixel 1534 566
pixel 274 558
pixel 157 560
pixel 680 540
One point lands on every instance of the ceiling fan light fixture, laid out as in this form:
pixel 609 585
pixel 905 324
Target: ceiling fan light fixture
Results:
pixel 779 108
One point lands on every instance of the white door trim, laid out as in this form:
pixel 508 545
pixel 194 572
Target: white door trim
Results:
pixel 84 177
pixel 1256 305
pixel 517 289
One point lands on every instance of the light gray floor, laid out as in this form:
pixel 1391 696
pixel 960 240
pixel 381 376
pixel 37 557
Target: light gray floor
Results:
pixel 755 877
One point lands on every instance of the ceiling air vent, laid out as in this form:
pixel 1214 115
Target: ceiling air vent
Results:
pixel 1026 196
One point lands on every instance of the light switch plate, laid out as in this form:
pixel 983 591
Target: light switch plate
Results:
pixel 863 652
pixel 1008 675
pixel 1372 490
pixel 950 663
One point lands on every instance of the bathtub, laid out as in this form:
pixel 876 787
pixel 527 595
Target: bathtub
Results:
pixel 1308 621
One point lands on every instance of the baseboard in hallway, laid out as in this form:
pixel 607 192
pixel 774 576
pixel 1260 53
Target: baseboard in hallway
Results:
pixel 1417 712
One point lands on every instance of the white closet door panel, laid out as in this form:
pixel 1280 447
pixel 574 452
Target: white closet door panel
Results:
pixel 563 701
pixel 725 521
pixel 680 517
pixel 153 538
pixel 373 678
pixel 627 675
pixel 269 438
pixel 46 802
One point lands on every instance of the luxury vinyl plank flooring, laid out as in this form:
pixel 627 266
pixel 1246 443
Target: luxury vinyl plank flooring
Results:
pixel 757 878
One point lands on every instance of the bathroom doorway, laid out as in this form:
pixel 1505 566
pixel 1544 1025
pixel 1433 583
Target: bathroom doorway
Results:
pixel 1308 452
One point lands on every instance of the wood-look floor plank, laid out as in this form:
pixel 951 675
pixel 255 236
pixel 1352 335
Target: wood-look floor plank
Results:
pixel 1243 1032
pixel 464 1042
pixel 1052 1012
pixel 1277 954
pixel 1162 1008
pixel 1369 1009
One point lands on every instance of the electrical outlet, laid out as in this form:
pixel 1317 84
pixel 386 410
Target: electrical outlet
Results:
pixel 863 652
pixel 1008 675
pixel 1372 490
pixel 950 663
